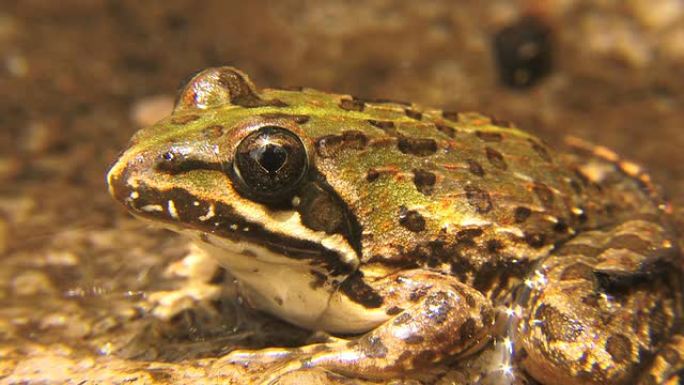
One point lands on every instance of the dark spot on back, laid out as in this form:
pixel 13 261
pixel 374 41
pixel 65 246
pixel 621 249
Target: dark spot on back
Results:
pixel 402 319
pixel 540 150
pixel 521 214
pixel 446 130
pixel 351 104
pixel 394 310
pixel 372 175
pixel 451 115
pixel 475 168
pixel 414 339
pixel 386 125
pixel 544 194
pixel 411 220
pixel 619 347
pixel 478 198
pixel 299 119
pixel 213 132
pixel 630 242
pixel 535 240
pixel 495 158
pixel 417 146
pixel 413 114
pixel 467 330
pixel 488 136
pixel 424 181
pixel 500 122
pixel 577 270
pixel 579 249
pixel 330 145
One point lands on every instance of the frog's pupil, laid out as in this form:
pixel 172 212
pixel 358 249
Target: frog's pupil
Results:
pixel 270 157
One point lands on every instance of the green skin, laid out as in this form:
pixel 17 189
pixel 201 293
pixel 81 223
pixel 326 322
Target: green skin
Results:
pixel 413 228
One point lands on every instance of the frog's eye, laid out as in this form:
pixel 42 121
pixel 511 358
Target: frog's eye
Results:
pixel 269 164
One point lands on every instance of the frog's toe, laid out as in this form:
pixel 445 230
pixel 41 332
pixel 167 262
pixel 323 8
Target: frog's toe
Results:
pixel 260 357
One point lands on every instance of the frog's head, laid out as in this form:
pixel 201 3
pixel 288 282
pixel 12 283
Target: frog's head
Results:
pixel 234 169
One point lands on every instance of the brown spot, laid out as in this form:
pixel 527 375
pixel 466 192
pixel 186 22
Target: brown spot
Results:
pixel 402 319
pixel 372 175
pixel 495 158
pixel 386 125
pixel 417 294
pixel 670 355
pixel 560 226
pixel 446 130
pixel 540 150
pixel 331 145
pixel 469 233
pixel 414 339
pixel 544 194
pixel 413 114
pixel 451 115
pixel 579 249
pixel 299 119
pixel 278 300
pixel 360 292
pixel 493 245
pixel 417 146
pixel 488 136
pixel 373 347
pixel 500 122
pixel 577 270
pixel 352 104
pixel 478 198
pixel 535 240
pixel 521 214
pixel 411 220
pixel 424 358
pixel 619 347
pixel 437 307
pixel 557 326
pixel 424 181
pixel 184 119
pixel 213 132
pixel 475 168
pixel 394 310
pixel 467 330
pixel 630 242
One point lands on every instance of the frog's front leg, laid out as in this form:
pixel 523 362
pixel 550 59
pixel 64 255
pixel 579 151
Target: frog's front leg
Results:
pixel 601 305
pixel 430 317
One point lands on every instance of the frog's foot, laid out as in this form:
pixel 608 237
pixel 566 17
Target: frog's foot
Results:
pixel 667 367
pixel 600 305
pixel 434 316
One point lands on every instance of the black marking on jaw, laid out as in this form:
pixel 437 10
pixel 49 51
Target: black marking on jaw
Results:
pixel 226 223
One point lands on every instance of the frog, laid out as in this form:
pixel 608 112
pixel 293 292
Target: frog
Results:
pixel 414 236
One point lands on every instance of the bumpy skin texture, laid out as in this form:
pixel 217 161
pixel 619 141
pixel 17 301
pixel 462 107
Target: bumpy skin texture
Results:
pixel 413 227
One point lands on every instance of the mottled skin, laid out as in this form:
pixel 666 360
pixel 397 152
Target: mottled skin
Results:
pixel 414 228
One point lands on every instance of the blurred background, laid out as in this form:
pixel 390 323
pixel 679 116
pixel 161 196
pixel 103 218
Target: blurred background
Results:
pixel 78 77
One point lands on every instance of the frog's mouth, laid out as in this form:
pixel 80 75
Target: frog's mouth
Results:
pixel 281 233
